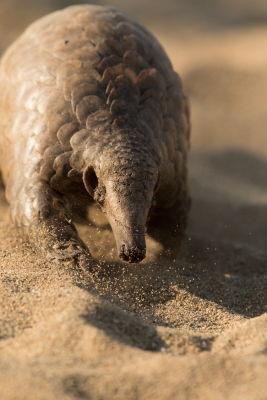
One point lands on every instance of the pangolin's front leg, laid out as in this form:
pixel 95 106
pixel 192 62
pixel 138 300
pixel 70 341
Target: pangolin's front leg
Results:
pixel 42 216
pixel 167 225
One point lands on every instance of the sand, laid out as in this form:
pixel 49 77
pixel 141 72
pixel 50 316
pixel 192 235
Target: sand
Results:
pixel 188 323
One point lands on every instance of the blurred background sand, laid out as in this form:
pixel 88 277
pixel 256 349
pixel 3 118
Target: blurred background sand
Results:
pixel 201 311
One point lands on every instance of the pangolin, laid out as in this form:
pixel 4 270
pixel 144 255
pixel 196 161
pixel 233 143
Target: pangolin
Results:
pixel 91 111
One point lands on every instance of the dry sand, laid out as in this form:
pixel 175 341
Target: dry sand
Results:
pixel 183 324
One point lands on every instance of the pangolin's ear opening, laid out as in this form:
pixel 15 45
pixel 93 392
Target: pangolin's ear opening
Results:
pixel 90 180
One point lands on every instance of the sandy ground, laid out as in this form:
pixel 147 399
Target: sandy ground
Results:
pixel 184 324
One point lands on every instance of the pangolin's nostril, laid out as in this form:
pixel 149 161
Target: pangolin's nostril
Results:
pixel 132 254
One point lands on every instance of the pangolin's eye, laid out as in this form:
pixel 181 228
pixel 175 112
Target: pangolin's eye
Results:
pixel 99 195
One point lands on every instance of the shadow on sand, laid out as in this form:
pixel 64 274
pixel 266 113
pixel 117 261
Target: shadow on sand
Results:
pixel 222 258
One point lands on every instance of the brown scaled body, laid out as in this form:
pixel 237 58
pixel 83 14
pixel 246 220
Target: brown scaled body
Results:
pixel 91 110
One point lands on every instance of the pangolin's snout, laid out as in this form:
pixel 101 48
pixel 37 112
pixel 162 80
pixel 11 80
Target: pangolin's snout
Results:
pixel 126 210
pixel 132 254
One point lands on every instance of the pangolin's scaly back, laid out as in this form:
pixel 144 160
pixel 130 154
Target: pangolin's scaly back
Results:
pixel 73 84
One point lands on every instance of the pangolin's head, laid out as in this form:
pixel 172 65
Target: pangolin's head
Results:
pixel 123 183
